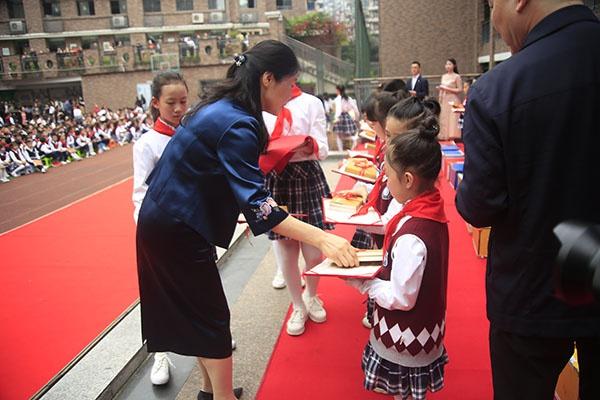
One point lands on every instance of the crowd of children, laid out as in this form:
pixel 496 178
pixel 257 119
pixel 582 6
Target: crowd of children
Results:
pixel 36 137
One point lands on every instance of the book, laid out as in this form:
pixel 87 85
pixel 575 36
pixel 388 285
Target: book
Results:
pixel 333 215
pixel 348 202
pixel 361 167
pixel 370 265
pixel 368 177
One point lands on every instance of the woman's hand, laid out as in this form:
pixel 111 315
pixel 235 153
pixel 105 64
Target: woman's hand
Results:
pixel 338 250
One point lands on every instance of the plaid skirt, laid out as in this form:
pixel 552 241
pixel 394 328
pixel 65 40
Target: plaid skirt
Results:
pixel 345 126
pixel 300 187
pixel 384 376
pixel 362 240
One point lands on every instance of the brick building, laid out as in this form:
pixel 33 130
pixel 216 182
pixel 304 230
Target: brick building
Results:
pixel 104 49
pixel 434 30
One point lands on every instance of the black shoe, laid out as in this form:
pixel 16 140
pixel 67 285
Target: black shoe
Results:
pixel 237 392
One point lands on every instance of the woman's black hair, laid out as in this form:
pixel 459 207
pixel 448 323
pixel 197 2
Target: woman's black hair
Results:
pixel 417 150
pixel 160 80
pixel 242 82
pixel 393 85
pixel 453 61
pixel 342 90
pixel 414 113
pixel 378 105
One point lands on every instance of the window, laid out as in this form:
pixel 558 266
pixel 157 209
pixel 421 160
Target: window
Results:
pixel 122 40
pixel 247 4
pixel 89 42
pixel 15 9
pixel 151 5
pixel 184 5
pixel 284 4
pixel 51 8
pixel 216 4
pixel 85 7
pixel 55 44
pixel 310 5
pixel 118 7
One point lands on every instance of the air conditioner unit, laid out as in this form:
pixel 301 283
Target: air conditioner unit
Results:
pixel 248 17
pixel 120 21
pixel 17 26
pixel 217 17
pixel 197 18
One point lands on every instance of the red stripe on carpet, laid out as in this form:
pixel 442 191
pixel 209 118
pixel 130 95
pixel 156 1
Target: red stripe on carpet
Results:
pixel 324 363
pixel 65 278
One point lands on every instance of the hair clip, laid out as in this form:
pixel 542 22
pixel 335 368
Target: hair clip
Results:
pixel 239 60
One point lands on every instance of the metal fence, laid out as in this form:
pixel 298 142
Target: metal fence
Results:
pixel 364 87
pixel 323 66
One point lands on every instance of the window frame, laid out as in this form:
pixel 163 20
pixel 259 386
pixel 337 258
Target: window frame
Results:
pixel 184 5
pixel 284 4
pixel 122 6
pixel 91 8
pixel 151 6
pixel 53 6
pixel 214 5
pixel 15 5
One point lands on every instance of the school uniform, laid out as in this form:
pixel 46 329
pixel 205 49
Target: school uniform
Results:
pixel 146 153
pixel 207 174
pixel 302 185
pixel 405 354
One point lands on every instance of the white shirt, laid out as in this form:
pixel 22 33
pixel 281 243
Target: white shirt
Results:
pixel 414 81
pixel 345 105
pixel 409 256
pixel 146 153
pixel 308 118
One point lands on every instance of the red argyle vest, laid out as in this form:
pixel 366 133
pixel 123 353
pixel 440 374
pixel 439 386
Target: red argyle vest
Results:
pixel 422 327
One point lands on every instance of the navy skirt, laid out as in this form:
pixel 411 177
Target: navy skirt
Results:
pixel 183 305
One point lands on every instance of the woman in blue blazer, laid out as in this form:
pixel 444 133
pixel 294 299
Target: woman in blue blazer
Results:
pixel 208 173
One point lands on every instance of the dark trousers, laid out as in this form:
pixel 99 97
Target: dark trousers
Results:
pixel 525 367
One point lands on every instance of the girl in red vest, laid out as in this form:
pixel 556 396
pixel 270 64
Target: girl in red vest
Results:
pixel 405 355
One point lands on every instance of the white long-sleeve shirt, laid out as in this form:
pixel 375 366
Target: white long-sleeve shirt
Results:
pixel 409 256
pixel 345 105
pixel 146 153
pixel 308 118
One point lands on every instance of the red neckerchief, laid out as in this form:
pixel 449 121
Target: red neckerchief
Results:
pixel 284 118
pixel 373 195
pixel 161 126
pixel 428 205
pixel 379 151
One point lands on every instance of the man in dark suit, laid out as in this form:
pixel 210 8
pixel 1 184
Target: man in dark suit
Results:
pixel 531 144
pixel 417 85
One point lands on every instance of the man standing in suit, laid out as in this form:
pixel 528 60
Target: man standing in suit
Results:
pixel 531 144
pixel 417 85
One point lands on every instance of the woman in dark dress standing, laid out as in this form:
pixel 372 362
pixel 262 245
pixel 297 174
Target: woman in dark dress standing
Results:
pixel 208 174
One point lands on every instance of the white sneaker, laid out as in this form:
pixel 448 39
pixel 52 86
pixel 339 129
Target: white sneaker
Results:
pixel 278 280
pixel 295 325
pixel 314 305
pixel 160 370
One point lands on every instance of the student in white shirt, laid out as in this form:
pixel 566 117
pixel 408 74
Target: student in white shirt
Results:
pixel 301 187
pixel 168 104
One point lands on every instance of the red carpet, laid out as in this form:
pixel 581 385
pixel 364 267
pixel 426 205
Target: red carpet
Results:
pixel 64 278
pixel 324 363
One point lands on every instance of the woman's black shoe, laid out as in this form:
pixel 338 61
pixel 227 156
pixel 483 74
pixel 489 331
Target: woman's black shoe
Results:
pixel 237 392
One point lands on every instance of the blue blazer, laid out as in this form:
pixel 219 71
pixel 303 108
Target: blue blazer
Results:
pixel 209 172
